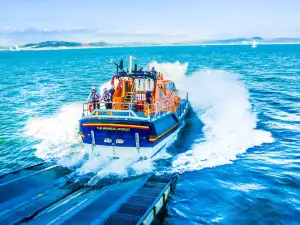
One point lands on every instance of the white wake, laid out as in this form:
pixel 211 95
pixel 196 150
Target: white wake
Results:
pixel 221 101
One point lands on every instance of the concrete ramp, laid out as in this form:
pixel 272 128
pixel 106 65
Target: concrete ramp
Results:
pixel 47 194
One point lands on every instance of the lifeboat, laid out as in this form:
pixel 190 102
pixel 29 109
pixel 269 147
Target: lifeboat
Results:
pixel 142 116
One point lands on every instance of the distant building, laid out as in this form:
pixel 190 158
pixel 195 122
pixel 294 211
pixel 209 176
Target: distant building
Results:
pixel 15 48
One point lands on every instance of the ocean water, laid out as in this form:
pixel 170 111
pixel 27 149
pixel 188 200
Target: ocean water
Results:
pixel 238 155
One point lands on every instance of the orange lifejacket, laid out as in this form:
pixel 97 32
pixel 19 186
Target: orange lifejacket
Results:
pixel 90 107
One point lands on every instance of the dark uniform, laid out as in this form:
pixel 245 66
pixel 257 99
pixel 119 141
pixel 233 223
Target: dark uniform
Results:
pixel 107 99
pixel 148 97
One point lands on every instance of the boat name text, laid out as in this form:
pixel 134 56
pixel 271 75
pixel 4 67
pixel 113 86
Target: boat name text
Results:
pixel 114 128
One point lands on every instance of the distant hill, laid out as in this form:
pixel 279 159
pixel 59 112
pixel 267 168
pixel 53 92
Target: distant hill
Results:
pixel 65 44
pixel 285 40
pixel 52 44
pixel 240 40
pixel 101 43
pixel 258 38
pixel 234 41
pixel 221 41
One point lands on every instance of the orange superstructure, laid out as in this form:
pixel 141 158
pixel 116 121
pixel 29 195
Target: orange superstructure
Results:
pixel 131 93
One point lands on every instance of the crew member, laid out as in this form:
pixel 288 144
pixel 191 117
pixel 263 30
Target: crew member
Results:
pixel 106 97
pixel 94 98
pixel 112 91
pixel 148 97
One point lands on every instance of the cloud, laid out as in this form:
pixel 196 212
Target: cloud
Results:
pixel 139 33
pixel 32 30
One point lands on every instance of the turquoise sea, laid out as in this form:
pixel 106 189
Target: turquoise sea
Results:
pixel 238 155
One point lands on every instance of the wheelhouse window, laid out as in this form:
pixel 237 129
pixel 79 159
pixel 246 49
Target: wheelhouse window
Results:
pixel 171 86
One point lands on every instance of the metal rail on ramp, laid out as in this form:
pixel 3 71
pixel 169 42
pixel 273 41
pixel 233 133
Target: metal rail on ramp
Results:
pixel 47 194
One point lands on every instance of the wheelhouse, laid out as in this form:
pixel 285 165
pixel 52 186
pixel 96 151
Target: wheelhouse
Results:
pixel 130 96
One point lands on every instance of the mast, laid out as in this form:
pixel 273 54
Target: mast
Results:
pixel 130 64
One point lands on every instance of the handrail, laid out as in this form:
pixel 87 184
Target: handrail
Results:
pixel 132 88
pixel 101 111
pixel 150 111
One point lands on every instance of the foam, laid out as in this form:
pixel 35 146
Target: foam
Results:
pixel 222 103
pixel 57 133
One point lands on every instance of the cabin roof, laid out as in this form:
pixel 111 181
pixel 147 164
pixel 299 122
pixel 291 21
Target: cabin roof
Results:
pixel 139 74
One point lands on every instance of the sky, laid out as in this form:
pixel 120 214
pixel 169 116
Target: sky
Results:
pixel 161 21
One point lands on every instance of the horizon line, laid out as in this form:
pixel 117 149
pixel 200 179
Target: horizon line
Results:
pixel 200 42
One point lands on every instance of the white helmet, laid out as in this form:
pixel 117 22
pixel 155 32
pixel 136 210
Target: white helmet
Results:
pixel 93 88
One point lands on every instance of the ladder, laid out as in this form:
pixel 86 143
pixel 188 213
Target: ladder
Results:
pixel 127 100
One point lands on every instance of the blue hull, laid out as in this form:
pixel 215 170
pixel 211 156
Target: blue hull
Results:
pixel 122 133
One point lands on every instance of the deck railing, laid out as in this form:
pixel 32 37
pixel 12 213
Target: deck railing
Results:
pixel 136 111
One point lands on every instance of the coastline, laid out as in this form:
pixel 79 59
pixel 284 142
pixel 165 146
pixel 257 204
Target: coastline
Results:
pixel 137 46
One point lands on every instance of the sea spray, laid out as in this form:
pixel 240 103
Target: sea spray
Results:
pixel 58 133
pixel 222 103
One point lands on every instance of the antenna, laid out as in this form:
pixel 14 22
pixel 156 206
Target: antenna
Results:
pixel 118 66
pixel 130 64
